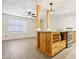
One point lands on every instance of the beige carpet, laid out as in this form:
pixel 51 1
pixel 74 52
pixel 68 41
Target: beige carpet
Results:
pixel 26 49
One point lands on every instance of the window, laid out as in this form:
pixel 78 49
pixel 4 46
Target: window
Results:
pixel 17 26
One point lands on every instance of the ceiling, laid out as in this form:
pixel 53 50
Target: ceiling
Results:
pixel 18 7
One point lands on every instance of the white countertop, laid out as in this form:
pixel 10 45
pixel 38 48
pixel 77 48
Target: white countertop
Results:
pixel 55 31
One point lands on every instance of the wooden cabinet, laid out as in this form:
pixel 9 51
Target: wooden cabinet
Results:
pixel 44 42
pixel 50 42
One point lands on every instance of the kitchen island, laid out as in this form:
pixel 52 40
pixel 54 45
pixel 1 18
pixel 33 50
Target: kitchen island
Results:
pixel 51 42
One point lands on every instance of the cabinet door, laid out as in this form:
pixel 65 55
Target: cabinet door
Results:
pixel 42 42
pixel 48 42
pixel 63 40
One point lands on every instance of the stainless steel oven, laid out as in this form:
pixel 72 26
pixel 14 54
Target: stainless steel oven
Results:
pixel 69 38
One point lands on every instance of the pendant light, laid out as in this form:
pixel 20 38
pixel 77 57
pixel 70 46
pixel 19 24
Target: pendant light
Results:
pixel 51 5
pixel 51 11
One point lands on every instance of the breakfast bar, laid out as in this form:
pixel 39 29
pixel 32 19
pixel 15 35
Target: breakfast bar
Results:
pixel 52 42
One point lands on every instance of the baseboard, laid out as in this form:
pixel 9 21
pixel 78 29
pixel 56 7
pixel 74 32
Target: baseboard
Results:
pixel 20 38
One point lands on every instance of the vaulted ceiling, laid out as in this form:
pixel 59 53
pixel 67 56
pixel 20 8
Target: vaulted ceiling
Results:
pixel 18 7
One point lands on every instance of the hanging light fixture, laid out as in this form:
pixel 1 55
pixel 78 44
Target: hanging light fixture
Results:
pixel 51 11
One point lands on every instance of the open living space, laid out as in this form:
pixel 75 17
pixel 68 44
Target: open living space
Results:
pixel 39 29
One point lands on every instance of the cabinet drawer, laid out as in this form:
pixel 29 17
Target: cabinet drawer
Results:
pixel 55 50
pixel 56 33
pixel 62 47
pixel 62 44
pixel 55 45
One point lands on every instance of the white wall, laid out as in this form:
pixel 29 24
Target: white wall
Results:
pixel 31 27
pixel 63 21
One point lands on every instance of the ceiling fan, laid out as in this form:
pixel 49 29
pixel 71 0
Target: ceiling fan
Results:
pixel 30 13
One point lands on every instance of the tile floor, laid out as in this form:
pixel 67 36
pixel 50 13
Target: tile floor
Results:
pixel 26 49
